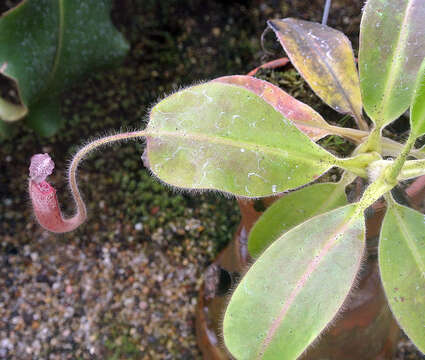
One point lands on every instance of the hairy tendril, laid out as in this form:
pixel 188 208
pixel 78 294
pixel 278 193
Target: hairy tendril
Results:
pixel 43 196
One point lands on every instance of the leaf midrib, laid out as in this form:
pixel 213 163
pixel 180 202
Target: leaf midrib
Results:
pixel 330 243
pixel 322 57
pixel 255 147
pixel 395 66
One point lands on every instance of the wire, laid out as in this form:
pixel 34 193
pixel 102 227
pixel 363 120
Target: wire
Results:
pixel 326 12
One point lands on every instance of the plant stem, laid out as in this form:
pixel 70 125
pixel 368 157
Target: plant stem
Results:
pixel 355 135
pixel 389 199
pixel 387 178
pixel 361 123
pixel 389 147
pixel 395 169
pixel 374 192
pixel 359 163
pixel 373 142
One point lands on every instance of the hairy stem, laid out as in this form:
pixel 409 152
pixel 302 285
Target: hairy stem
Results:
pixel 373 142
pixel 80 155
pixel 395 169
pixel 386 178
pixel 389 147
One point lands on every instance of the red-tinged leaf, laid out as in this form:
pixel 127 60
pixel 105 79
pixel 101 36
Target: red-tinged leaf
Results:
pixel 302 116
pixel 324 57
pixel 296 287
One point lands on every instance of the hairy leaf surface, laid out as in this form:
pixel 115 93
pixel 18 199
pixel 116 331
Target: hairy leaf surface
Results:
pixel 402 265
pixel 225 137
pixel 303 116
pixel 324 57
pixel 392 47
pixel 296 287
pixel 291 210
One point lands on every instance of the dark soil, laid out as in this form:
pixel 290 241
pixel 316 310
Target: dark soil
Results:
pixel 124 285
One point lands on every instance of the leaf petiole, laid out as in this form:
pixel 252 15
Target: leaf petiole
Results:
pixel 359 163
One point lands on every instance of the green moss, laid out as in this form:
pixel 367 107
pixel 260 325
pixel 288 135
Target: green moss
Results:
pixel 337 145
pixel 121 345
pixel 289 80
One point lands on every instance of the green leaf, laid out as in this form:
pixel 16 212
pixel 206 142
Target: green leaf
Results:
pixel 225 137
pixel 291 210
pixel 392 47
pixel 10 111
pixel 324 57
pixel 402 265
pixel 417 111
pixel 296 287
pixel 45 117
pixel 412 169
pixel 45 45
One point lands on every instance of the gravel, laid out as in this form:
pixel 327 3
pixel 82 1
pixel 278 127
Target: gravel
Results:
pixel 72 300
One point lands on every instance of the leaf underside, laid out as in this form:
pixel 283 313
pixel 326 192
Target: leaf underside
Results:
pixel 402 266
pixel 225 137
pixel 46 45
pixel 291 210
pixel 392 47
pixel 324 57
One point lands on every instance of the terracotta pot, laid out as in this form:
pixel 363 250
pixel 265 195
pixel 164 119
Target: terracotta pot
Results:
pixel 219 278
pixel 364 330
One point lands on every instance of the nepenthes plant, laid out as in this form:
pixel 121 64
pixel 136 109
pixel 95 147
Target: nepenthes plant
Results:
pixel 245 137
